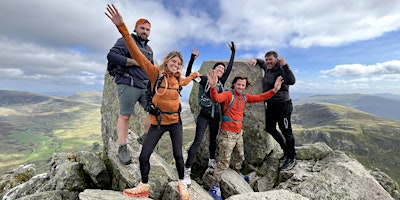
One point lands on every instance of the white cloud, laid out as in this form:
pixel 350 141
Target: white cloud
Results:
pixel 389 67
pixel 59 42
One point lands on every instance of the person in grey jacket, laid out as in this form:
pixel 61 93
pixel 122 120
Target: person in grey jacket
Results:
pixel 131 82
pixel 279 107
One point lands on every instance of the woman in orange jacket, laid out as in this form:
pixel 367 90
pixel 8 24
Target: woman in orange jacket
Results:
pixel 166 99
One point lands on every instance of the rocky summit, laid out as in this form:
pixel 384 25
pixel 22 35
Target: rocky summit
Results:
pixel 320 173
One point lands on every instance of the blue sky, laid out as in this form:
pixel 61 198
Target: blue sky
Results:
pixel 334 47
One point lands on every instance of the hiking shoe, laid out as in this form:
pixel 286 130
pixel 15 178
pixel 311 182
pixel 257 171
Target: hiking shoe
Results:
pixel 142 190
pixel 289 164
pixel 183 190
pixel 187 179
pixel 245 177
pixel 211 163
pixel 141 138
pixel 283 159
pixel 124 155
pixel 215 192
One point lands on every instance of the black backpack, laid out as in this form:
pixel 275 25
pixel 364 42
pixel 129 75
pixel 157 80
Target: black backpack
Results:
pixel 112 69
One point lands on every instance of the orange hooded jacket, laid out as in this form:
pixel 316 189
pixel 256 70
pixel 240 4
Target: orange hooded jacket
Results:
pixel 168 101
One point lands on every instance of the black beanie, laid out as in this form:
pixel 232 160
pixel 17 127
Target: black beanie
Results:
pixel 218 63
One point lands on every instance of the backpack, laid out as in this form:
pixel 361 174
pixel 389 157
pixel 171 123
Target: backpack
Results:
pixel 226 118
pixel 112 69
pixel 205 101
pixel 154 110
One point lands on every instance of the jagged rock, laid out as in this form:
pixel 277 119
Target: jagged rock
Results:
pixel 27 188
pixel 92 194
pixel 315 151
pixel 269 195
pixel 231 184
pixel 52 195
pixel 388 183
pixel 94 166
pixel 15 177
pixel 338 178
pixel 196 192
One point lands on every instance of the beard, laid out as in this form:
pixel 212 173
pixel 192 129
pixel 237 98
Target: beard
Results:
pixel 142 37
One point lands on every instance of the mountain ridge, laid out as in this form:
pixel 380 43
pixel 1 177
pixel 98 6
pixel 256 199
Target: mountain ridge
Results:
pixel 376 105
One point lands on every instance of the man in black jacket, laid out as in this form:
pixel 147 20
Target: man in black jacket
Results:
pixel 131 82
pixel 279 107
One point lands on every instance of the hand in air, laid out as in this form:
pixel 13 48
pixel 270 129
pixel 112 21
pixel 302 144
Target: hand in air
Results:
pixel 114 15
pixel 252 62
pixel 212 78
pixel 195 52
pixel 278 83
pixel 232 46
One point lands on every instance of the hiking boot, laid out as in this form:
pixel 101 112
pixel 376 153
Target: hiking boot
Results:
pixel 283 159
pixel 142 190
pixel 289 164
pixel 183 190
pixel 141 138
pixel 124 155
pixel 245 177
pixel 187 179
pixel 211 163
pixel 215 192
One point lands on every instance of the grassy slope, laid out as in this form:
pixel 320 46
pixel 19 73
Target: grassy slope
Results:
pixel 371 140
pixel 34 127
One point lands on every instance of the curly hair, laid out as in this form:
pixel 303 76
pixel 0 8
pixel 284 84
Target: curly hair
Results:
pixel 241 78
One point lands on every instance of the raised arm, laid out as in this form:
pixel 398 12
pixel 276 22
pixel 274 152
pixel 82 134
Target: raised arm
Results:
pixel 287 74
pixel 144 63
pixel 230 64
pixel 253 62
pixel 193 56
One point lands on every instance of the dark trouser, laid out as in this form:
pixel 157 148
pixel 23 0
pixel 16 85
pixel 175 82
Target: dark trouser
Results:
pixel 281 113
pixel 150 142
pixel 204 119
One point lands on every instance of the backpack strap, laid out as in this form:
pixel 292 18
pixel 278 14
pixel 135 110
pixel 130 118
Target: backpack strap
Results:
pixel 226 118
pixel 159 113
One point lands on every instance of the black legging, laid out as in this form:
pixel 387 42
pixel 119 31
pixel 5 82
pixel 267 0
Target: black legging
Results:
pixel 281 113
pixel 204 119
pixel 150 142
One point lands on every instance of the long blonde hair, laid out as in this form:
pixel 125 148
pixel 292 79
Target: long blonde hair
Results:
pixel 163 67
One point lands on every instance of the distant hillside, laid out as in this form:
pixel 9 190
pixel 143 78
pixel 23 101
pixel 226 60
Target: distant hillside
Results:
pixel 34 126
pixel 88 97
pixel 12 97
pixel 373 140
pixel 376 105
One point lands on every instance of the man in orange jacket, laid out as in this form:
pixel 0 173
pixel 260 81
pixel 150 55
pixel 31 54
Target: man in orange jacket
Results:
pixel 230 137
